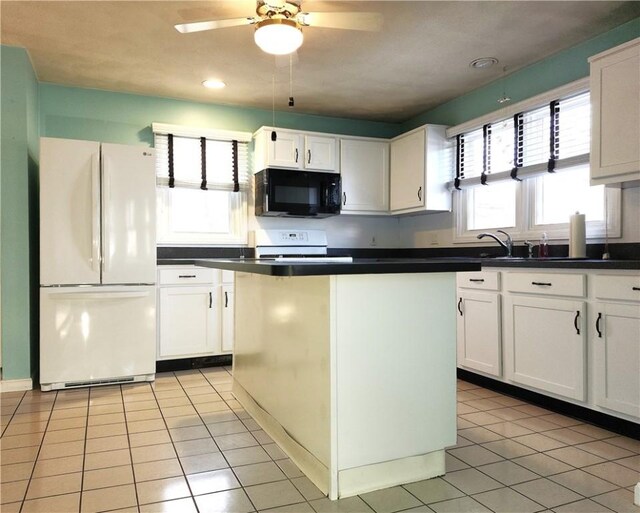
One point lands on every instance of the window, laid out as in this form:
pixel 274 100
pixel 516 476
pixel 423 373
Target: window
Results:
pixel 196 203
pixel 529 172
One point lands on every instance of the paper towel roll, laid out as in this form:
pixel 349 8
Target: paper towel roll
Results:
pixel 577 236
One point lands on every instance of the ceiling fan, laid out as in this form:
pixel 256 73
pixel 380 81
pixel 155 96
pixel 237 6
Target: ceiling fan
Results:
pixel 279 24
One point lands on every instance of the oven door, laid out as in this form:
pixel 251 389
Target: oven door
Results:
pixel 302 193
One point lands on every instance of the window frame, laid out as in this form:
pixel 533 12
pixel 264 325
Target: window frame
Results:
pixel 238 234
pixel 525 214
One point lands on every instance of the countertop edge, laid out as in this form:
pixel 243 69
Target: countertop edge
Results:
pixel 456 264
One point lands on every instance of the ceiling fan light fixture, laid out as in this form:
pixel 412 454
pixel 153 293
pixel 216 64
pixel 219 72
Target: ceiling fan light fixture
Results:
pixel 278 36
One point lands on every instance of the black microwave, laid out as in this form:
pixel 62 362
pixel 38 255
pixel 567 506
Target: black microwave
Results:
pixel 294 193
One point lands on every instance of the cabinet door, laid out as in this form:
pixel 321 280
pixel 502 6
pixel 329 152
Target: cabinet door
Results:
pixel 69 212
pixel 364 167
pixel 227 317
pixel 407 171
pixel 188 324
pixel 128 214
pixel 615 89
pixel 478 331
pixel 285 150
pixel 320 153
pixel 545 344
pixel 616 351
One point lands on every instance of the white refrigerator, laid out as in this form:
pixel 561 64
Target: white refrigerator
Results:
pixel 97 263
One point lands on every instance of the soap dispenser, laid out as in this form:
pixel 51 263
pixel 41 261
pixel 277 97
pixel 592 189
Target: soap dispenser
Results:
pixel 543 249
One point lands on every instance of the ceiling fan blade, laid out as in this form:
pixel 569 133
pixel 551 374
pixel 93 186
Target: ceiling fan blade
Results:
pixel 342 20
pixel 199 26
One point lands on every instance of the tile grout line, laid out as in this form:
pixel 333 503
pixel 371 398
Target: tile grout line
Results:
pixel 24 394
pixel 173 443
pixel 35 461
pixel 126 427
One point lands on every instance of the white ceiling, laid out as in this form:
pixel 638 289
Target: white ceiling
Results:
pixel 417 61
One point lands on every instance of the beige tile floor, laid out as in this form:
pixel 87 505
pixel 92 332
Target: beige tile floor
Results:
pixel 185 445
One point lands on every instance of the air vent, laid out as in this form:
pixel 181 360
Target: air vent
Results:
pixel 77 384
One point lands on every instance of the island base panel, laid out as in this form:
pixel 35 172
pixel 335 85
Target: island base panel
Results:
pixel 307 462
pixel 351 481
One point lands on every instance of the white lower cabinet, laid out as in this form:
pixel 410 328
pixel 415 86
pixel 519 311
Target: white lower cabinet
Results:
pixel 615 340
pixel 545 344
pixel 570 334
pixel 187 322
pixel 478 322
pixel 195 312
pixel 227 308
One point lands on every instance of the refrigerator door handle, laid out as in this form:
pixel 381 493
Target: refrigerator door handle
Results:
pixel 62 295
pixel 95 210
pixel 106 196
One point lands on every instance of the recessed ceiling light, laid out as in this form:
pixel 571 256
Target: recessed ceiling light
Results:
pixel 214 84
pixel 483 62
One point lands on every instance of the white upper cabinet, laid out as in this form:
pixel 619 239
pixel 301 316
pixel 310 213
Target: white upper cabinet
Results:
pixel 284 151
pixel 364 166
pixel 615 102
pixel 320 152
pixel 421 165
pixel 294 149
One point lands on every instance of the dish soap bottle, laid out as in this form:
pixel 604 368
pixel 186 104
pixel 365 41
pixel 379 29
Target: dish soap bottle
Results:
pixel 543 249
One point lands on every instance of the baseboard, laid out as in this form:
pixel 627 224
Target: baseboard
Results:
pixel 598 418
pixel 15 385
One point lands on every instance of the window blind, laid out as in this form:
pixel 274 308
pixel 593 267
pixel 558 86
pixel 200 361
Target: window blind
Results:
pixel 203 163
pixel 551 137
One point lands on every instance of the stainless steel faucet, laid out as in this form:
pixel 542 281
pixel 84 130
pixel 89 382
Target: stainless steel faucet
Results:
pixel 507 244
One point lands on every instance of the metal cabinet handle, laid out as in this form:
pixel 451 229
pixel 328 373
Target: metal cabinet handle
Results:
pixel 542 283
pixel 186 276
pixel 210 299
pixel 308 156
pixel 575 322
pixel 478 280
pixel 296 155
pixel 635 288
pixel 459 306
pixel 598 324
pixel 344 198
pixel 226 299
pixel 420 193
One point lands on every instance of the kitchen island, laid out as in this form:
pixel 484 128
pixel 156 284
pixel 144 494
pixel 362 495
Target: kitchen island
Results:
pixel 350 367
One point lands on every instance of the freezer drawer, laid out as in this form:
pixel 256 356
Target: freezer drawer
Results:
pixel 91 334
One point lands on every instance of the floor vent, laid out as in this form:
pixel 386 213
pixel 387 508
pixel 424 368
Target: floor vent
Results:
pixel 76 384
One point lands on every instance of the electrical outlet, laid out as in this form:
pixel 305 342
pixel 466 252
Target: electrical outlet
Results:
pixel 373 242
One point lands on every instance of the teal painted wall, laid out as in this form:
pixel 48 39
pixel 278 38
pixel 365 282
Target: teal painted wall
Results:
pixel 559 69
pixel 18 213
pixel 107 116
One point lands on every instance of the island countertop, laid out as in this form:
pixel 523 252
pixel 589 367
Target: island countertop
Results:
pixel 357 266
pixel 397 265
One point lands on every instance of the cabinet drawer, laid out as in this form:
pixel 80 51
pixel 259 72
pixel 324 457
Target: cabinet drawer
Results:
pixel 185 276
pixel 624 288
pixel 484 280
pixel 546 283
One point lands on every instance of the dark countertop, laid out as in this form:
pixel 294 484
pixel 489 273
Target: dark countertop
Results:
pixel 358 266
pixel 560 263
pixel 397 265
